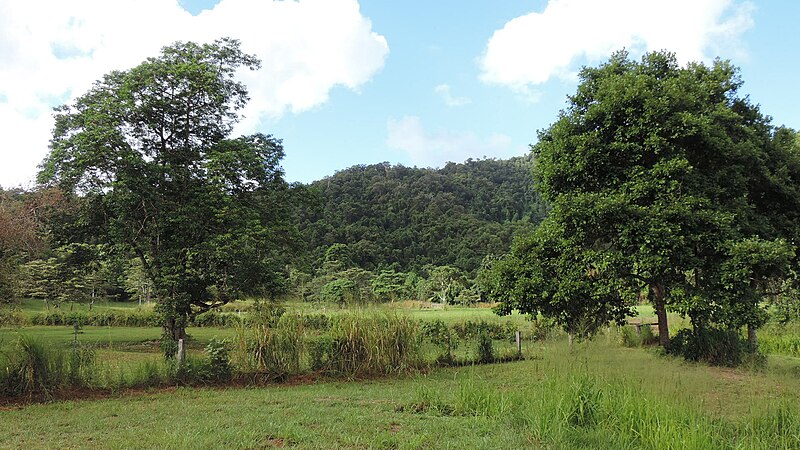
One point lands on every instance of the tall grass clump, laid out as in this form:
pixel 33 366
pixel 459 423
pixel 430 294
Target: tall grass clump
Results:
pixel 780 338
pixel 271 348
pixel 35 371
pixel 360 344
pixel 484 349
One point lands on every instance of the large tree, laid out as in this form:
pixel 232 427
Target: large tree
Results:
pixel 656 174
pixel 208 216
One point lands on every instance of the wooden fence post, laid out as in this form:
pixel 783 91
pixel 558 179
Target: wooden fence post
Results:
pixel 519 343
pixel 181 352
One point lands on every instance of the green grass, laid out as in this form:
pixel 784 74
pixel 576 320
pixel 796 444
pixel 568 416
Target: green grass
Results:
pixel 31 306
pixel 529 404
pixel 110 337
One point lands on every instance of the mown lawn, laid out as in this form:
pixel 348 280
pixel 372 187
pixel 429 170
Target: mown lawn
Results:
pixel 637 400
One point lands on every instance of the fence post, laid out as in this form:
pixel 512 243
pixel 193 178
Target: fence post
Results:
pixel 181 352
pixel 519 343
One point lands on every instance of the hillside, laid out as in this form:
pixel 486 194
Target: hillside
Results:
pixel 405 218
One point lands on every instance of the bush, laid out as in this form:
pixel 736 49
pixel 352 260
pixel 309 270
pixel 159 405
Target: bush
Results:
pixel 9 318
pixel 444 337
pixel 316 321
pixel 484 349
pixel 629 337
pixel 714 346
pixel 217 319
pixel 647 336
pixel 219 360
pixel 98 318
pixel 470 330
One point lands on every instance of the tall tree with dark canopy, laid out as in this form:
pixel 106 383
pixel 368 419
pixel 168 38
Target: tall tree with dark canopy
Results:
pixel 656 174
pixel 210 217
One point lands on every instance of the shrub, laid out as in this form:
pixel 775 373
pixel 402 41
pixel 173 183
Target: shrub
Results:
pixel 98 318
pixel 442 336
pixel 219 359
pixel 217 319
pixel 629 337
pixel 193 371
pixel 712 345
pixel 647 335
pixel 484 349
pixel 316 321
pixel 9 318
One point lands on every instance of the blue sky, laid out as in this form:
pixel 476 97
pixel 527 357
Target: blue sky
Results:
pixel 412 82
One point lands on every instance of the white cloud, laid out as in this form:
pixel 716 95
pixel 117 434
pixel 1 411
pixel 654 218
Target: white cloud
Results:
pixel 51 52
pixel 449 99
pixel 434 149
pixel 536 47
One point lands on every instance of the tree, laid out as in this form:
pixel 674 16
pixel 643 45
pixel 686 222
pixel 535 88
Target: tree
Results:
pixel 389 284
pixel 208 216
pixel 22 233
pixel 653 173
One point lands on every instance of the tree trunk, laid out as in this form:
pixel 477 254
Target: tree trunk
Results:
pixel 174 329
pixel 752 338
pixel 659 304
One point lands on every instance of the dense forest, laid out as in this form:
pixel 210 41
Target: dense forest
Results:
pixel 406 218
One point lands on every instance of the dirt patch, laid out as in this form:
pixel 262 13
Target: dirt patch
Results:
pixel 275 442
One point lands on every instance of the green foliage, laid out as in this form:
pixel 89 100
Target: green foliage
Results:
pixel 586 397
pixel 656 175
pixel 390 285
pixel 102 318
pixel 629 337
pixel 718 347
pixel 219 359
pixel 444 337
pixel 368 345
pixel 402 218
pixel 11 318
pixel 780 338
pixel 271 352
pixel 484 349
pixel 340 292
pixel 210 217
pixel 35 371
pixel 444 284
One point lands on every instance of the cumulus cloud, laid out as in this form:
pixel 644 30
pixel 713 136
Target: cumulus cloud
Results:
pixel 449 99
pixel 51 52
pixel 433 149
pixel 533 48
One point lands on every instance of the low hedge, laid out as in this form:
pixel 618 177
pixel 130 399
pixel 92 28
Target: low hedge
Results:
pixel 98 318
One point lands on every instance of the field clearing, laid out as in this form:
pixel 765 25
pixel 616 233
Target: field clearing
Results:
pixel 491 406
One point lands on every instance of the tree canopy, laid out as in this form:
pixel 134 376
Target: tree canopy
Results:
pixel 149 149
pixel 406 217
pixel 664 182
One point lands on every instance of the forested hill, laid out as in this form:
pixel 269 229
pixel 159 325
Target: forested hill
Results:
pixel 405 218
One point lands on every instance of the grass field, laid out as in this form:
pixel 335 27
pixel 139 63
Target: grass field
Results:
pixel 588 395
pixel 529 404
pixel 30 306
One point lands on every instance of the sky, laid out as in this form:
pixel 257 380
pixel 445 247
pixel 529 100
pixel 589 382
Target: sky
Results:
pixel 419 83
